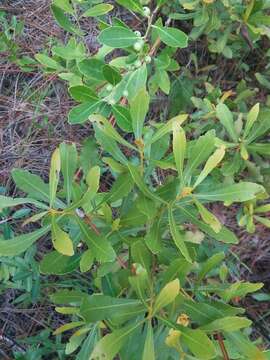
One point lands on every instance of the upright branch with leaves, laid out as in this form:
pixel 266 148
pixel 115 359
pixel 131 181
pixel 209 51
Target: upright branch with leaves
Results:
pixel 154 293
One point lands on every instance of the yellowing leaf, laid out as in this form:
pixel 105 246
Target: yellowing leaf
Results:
pixel 54 175
pixel 251 118
pixel 179 147
pixel 211 164
pixel 208 217
pixel 61 241
pixel 167 295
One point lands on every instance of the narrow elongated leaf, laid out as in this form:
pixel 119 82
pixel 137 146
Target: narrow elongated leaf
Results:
pixel 100 246
pixel 55 263
pixel 68 327
pixel 251 118
pixel 261 126
pixel 139 107
pixel 177 237
pixel 20 243
pixel 210 264
pixel 198 343
pixel 117 37
pixel 208 217
pixel 140 183
pixel 226 118
pixel 167 295
pixel 109 145
pixel 179 148
pixel 31 184
pixel 229 323
pixel 7 202
pixel 48 62
pixel 166 128
pixel 241 192
pixel 210 165
pixel 224 235
pixel 108 347
pixel 54 175
pixel 100 307
pixel 64 21
pixel 149 348
pixel 200 152
pixel 69 158
pixel 246 347
pixel 172 37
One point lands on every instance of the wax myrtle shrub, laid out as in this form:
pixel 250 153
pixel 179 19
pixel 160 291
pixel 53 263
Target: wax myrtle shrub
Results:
pixel 131 207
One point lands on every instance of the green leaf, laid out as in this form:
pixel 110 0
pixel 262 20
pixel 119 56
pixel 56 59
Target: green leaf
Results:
pixel 179 148
pixel 80 114
pixel 226 118
pixel 108 347
pixel 199 152
pixel 82 93
pixel 229 323
pixel 31 184
pixel 112 75
pixel 210 165
pixel 109 145
pixel 210 264
pixel 167 295
pixel 123 118
pixel 55 263
pixel 64 5
pixel 69 159
pixel 132 5
pixel 149 348
pixel 141 184
pixel 19 244
pixel 68 327
pixel 7 202
pixel 166 128
pixel 260 128
pixel 100 246
pixel 224 235
pixel 99 307
pixel 48 62
pixel 61 241
pixel 117 37
pixel 86 261
pixel 98 10
pixel 239 289
pixel 172 37
pixel 177 237
pixel 139 107
pixel 54 175
pixel 208 217
pixel 67 297
pixel 246 347
pixel 251 119
pixel 198 343
pixel 240 192
pixel 64 21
